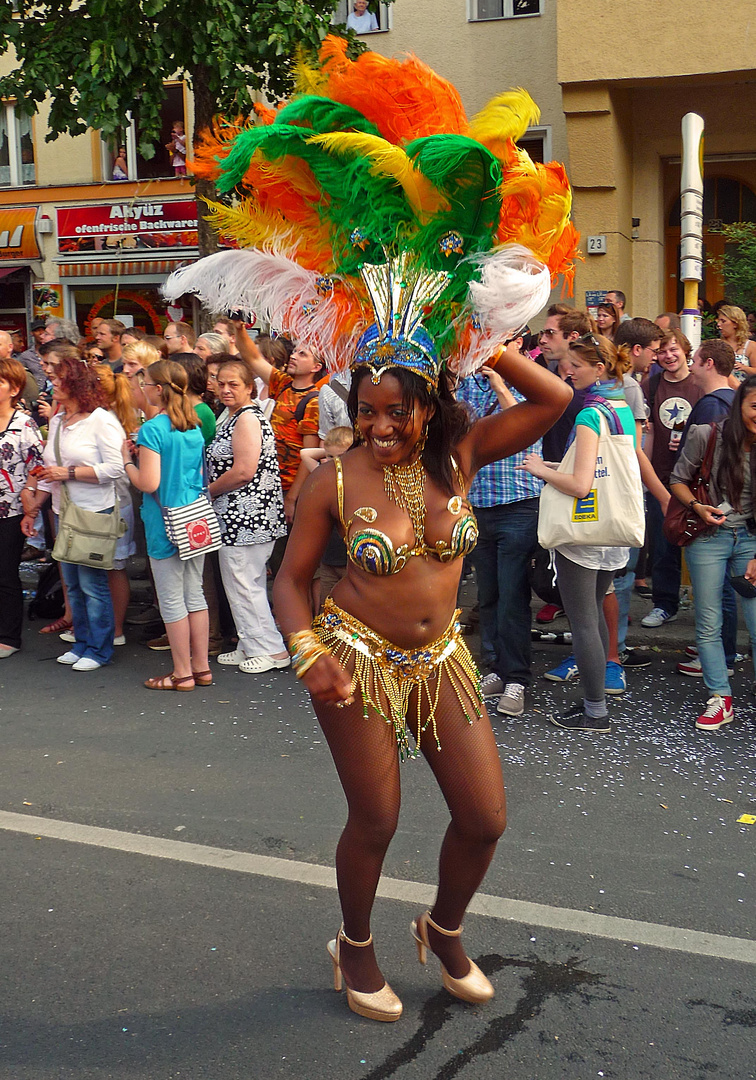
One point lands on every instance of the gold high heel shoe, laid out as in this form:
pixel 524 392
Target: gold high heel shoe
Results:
pixel 473 987
pixel 382 1005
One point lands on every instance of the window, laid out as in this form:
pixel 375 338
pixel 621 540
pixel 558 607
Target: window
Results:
pixel 503 9
pixel 161 165
pixel 537 142
pixel 345 8
pixel 16 148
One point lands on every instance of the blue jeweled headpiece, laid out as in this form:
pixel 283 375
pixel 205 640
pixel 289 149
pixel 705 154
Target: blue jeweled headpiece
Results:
pixel 399 291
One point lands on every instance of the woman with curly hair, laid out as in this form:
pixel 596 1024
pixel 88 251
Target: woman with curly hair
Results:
pixel 83 451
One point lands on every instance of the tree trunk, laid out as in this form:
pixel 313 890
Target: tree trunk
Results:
pixel 205 108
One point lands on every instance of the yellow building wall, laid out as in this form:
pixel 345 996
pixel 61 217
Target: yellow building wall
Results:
pixel 620 141
pixel 482 59
pixel 649 38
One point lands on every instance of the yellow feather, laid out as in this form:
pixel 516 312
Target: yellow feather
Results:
pixel 507 116
pixel 250 225
pixel 308 79
pixel 387 160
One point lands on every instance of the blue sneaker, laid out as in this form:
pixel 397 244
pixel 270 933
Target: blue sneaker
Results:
pixel 615 678
pixel 566 671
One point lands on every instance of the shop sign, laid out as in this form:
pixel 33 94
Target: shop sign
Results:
pixel 127 226
pixel 594 297
pixel 17 236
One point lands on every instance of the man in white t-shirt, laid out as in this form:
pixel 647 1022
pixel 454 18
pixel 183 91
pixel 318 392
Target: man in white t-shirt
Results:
pixel 361 20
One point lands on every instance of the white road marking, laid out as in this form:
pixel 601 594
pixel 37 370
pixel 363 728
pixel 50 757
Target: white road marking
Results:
pixel 656 935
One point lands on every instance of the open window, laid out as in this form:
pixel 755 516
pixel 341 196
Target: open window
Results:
pixel 366 18
pixel 16 147
pixel 482 10
pixel 120 151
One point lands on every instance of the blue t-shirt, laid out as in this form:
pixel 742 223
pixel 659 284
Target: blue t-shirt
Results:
pixel 709 409
pixel 181 477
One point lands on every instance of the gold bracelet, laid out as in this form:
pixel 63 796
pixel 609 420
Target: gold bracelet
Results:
pixel 306 648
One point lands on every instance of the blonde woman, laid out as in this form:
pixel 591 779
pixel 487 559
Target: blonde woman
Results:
pixel 733 328
pixel 170 473
pixel 136 359
pixel 120 403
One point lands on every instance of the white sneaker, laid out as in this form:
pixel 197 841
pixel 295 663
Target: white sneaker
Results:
pixel 120 639
pixel 68 658
pixel 657 617
pixel 512 701
pixel 256 665
pixel 231 659
pixel 86 663
pixel 67 635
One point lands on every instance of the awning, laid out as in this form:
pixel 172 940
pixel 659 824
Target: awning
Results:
pixel 115 268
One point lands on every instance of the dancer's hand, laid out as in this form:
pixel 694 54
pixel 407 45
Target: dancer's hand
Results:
pixel 328 683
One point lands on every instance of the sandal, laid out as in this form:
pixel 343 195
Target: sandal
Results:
pixel 203 678
pixel 57 627
pixel 159 683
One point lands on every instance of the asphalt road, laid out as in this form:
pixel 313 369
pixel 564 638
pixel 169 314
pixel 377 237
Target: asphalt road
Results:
pixel 188 939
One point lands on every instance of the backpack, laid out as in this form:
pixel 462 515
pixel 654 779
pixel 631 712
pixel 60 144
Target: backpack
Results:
pixel 48 601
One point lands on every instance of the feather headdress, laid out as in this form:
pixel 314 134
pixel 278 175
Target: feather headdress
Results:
pixel 384 227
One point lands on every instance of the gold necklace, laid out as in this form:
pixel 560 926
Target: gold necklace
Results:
pixel 405 486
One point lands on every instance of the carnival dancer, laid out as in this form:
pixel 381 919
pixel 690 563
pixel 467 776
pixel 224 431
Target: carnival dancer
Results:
pixel 410 266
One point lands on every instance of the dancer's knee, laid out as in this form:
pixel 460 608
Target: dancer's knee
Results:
pixel 374 831
pixel 483 828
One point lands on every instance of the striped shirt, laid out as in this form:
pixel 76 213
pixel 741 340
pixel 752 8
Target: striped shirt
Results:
pixel 499 482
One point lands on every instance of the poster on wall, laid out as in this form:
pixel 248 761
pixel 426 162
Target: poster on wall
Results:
pixel 133 226
pixel 47 301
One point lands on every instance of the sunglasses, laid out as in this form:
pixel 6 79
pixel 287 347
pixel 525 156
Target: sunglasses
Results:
pixel 587 339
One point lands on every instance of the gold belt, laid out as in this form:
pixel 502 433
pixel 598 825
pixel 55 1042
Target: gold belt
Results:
pixel 386 674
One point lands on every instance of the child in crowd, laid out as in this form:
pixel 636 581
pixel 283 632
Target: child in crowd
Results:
pixel 333 564
pixel 177 148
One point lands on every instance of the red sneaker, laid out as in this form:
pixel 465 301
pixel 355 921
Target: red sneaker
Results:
pixel 548 613
pixel 718 712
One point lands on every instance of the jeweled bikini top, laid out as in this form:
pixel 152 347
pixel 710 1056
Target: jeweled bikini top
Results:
pixel 373 551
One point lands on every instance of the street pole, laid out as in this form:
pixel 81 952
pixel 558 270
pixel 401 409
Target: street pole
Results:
pixel 691 224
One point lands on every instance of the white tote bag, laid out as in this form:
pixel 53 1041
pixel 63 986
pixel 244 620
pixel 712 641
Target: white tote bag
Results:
pixel 611 514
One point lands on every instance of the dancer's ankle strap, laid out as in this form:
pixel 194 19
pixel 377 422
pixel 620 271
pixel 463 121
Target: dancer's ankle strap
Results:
pixel 441 930
pixel 357 944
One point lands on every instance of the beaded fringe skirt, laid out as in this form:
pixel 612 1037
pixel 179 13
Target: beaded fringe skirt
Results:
pixel 393 680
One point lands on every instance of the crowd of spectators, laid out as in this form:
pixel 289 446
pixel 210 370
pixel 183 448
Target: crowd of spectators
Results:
pixel 124 419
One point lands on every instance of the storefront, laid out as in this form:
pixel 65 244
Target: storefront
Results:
pixel 113 258
pixel 20 262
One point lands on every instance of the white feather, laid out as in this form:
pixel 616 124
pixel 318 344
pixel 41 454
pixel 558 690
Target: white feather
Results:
pixel 514 286
pixel 271 287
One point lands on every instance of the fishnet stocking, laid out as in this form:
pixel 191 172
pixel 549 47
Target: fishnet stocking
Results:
pixel 468 771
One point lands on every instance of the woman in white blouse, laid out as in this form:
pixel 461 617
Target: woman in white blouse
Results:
pixel 86 440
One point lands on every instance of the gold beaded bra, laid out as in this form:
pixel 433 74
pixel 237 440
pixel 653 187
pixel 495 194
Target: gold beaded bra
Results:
pixel 373 551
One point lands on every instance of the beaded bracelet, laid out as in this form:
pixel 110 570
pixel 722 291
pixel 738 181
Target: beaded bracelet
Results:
pixel 305 647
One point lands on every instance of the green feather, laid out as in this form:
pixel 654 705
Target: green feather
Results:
pixel 470 177
pixel 324 115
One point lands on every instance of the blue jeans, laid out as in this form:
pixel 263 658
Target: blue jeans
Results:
pixel 710 559
pixel 666 567
pixel 91 609
pixel 508 538
pixel 623 588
